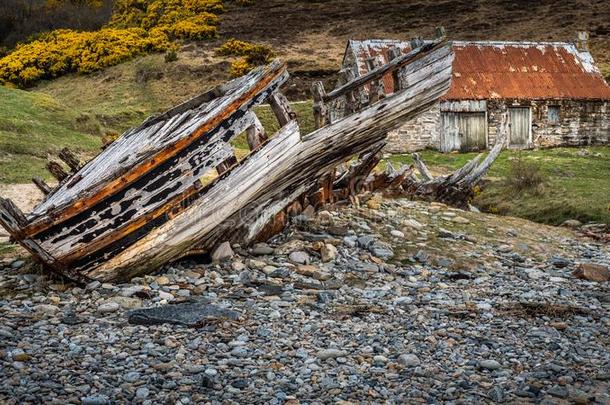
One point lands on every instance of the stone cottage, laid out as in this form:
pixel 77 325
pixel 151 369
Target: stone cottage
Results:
pixel 549 93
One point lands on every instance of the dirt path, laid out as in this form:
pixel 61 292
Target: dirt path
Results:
pixel 25 196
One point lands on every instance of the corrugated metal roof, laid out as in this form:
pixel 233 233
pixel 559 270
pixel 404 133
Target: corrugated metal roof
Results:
pixel 516 70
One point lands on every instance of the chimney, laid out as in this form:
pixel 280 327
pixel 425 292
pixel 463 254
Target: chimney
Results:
pixel 582 41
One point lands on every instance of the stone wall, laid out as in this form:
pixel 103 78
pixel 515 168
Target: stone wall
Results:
pixel 422 132
pixel 580 123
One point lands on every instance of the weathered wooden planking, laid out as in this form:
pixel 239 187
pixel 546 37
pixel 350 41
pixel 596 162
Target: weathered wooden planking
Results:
pixel 93 234
pixel 283 167
pixel 147 194
pixel 214 204
pixel 379 72
pixel 148 147
pixel 104 248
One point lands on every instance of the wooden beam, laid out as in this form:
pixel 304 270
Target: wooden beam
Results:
pixel 255 134
pixel 42 185
pixel 356 175
pixel 422 168
pixel 281 108
pixel 440 32
pixel 69 158
pixel 473 177
pixel 416 43
pixel 57 171
pixel 320 110
pixel 12 216
pixel 226 164
pixel 377 90
pixel 382 70
pixel 394 53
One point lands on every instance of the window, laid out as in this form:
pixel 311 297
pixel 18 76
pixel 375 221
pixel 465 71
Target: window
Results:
pixel 553 114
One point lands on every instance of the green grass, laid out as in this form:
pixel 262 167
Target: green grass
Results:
pixel 34 125
pixel 303 110
pixel 575 187
pixel 7 249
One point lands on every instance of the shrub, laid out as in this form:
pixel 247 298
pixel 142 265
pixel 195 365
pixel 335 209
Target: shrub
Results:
pixel 171 56
pixel 525 176
pixel 154 13
pixel 64 51
pixel 251 55
pixel 240 67
pixel 197 27
pixel 137 27
pixel 235 47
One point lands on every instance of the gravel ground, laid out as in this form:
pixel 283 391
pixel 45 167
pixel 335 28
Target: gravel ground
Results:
pixel 396 302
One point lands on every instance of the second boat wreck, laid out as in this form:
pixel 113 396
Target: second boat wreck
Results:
pixel 144 201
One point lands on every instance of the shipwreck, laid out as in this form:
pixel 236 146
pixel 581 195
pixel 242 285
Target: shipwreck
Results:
pixel 144 200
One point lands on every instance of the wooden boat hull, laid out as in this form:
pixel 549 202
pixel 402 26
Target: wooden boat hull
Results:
pixel 166 212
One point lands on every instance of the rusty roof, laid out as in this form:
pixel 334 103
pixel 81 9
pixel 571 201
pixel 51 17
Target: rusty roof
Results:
pixel 501 69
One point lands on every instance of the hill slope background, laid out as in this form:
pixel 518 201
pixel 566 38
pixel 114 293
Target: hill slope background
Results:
pixel 311 37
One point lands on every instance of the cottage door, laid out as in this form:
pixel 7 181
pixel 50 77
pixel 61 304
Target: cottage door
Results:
pixel 463 131
pixel 472 131
pixel 450 139
pixel 520 127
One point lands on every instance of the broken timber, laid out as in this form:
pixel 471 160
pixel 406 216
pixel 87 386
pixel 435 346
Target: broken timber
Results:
pixel 144 201
pixel 455 189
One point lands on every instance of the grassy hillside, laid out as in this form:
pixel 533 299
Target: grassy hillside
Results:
pixel 123 95
pixel 33 125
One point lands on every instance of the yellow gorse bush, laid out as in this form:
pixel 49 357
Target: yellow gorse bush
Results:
pixel 137 27
pixel 63 51
pixel 154 13
pixel 251 55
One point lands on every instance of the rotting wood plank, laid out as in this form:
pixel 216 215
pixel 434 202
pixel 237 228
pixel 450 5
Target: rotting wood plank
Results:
pixel 111 220
pixel 421 167
pixel 255 134
pixel 320 110
pixel 457 188
pixel 130 167
pixel 281 108
pixel 41 185
pixel 57 171
pixel 377 89
pixel 70 159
